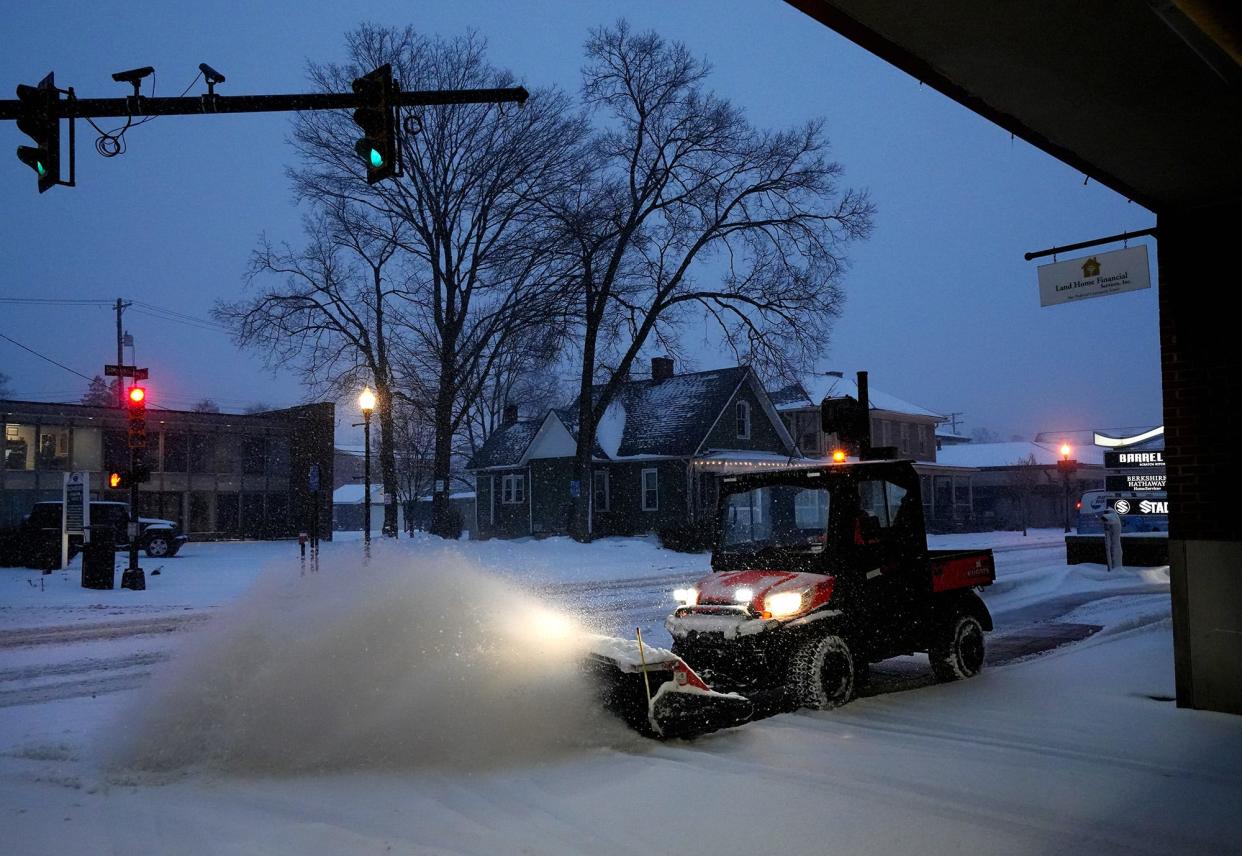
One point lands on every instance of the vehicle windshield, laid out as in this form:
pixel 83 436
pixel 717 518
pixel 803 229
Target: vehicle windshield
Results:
pixel 786 517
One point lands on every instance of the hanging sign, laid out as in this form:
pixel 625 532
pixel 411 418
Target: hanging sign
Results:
pixel 1097 275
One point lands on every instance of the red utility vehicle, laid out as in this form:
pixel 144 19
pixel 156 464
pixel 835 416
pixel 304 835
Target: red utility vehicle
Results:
pixel 817 572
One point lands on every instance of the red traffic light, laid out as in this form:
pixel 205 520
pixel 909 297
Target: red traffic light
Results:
pixel 137 395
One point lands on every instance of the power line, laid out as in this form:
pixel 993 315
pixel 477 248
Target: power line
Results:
pixel 45 357
pixel 55 300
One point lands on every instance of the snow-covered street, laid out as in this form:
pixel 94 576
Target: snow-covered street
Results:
pixel 134 721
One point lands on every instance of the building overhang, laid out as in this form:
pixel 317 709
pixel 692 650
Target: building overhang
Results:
pixel 1117 91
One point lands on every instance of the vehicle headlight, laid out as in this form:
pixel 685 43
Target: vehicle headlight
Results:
pixel 686 596
pixel 553 626
pixel 783 604
pixel 744 595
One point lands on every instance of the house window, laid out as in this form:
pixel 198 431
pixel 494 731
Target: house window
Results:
pixel 651 490
pixel 743 420
pixel 514 490
pixel 599 479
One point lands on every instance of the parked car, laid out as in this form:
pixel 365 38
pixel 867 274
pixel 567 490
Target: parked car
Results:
pixel 39 535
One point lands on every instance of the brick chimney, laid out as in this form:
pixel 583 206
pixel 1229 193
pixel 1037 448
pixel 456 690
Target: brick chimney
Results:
pixel 661 368
pixel 510 415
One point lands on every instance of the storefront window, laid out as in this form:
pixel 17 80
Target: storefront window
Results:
pixel 87 449
pixel 19 443
pixel 202 453
pixel 277 514
pixel 228 454
pixel 175 452
pixel 227 508
pixel 200 511
pixel 278 456
pixel 253 456
pixel 53 447
pixel 115 451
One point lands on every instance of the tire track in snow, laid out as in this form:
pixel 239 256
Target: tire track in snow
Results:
pixel 77 667
pixel 66 634
pixel 61 690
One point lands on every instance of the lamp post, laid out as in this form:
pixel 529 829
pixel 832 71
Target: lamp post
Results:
pixel 1068 466
pixel 366 403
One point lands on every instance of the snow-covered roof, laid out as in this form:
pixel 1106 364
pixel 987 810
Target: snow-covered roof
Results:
pixel 647 420
pixel 352 494
pixel 661 417
pixel 1009 454
pixel 505 446
pixel 813 389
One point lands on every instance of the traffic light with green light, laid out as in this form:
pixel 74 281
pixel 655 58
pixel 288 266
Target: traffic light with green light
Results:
pixel 38 118
pixel 376 116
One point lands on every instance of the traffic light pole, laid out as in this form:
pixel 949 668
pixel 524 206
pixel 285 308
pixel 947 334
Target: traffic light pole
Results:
pixel 102 108
pixel 133 577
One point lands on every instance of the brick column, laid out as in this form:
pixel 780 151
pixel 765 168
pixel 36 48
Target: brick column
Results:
pixel 1201 368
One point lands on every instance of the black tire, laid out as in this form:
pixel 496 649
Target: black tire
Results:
pixel 158 546
pixel 957 651
pixel 821 673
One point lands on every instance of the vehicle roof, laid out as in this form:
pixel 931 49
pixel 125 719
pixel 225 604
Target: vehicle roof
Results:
pixel 844 470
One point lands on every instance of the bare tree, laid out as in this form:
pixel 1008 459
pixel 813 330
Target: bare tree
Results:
pixel 481 260
pixel 1024 482
pixel 4 385
pixel 205 405
pixel 331 313
pixel 524 377
pixel 679 180
pixel 984 435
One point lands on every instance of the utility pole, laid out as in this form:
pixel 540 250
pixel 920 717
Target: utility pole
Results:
pixel 953 417
pixel 120 358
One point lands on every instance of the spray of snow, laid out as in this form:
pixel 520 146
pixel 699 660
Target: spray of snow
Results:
pixel 399 663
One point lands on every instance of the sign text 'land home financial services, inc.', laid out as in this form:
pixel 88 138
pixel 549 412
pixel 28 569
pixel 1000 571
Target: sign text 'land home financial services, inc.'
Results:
pixel 1097 275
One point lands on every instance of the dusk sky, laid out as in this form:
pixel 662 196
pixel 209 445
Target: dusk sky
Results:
pixel 941 307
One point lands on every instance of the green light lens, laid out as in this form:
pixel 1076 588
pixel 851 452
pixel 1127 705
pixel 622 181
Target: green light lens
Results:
pixel 377 160
pixel 40 168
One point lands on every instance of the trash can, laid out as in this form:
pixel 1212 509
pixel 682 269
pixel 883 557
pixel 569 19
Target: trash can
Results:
pixel 99 559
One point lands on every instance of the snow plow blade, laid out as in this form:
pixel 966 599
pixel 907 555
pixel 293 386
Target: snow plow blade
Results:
pixel 680 704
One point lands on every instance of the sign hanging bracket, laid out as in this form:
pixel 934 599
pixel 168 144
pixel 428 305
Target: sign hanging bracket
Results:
pixel 1111 239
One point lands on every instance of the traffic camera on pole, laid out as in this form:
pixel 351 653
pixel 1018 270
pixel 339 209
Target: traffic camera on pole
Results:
pixel 137 418
pixel 39 119
pixel 376 116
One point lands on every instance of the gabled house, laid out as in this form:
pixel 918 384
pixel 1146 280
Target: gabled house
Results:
pixel 659 451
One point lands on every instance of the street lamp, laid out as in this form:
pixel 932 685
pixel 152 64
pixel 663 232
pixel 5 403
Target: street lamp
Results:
pixel 366 403
pixel 1068 466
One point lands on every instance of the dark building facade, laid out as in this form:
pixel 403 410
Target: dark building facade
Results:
pixel 218 475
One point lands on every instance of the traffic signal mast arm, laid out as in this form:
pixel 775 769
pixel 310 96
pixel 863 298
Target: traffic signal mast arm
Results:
pixel 96 108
